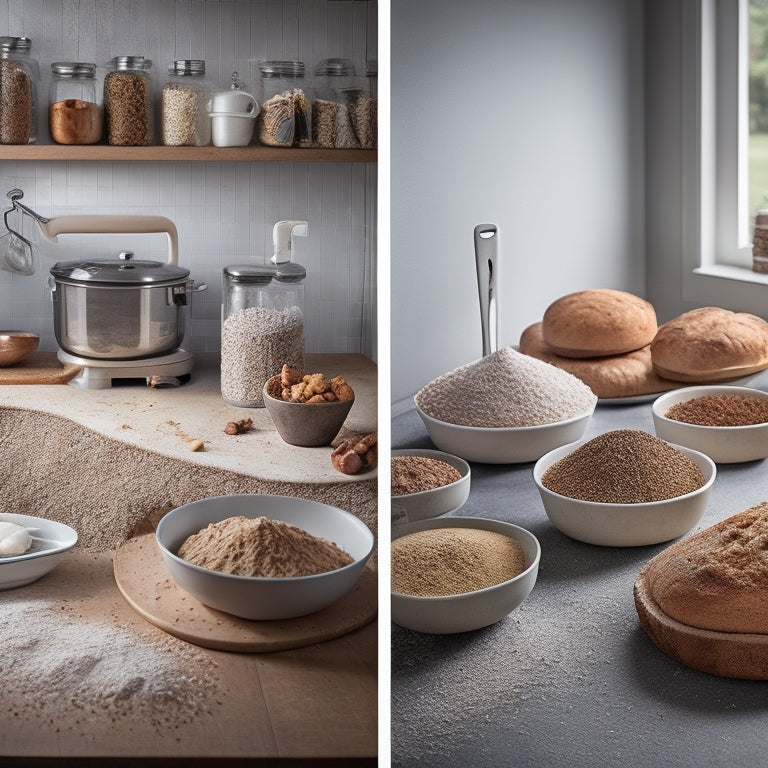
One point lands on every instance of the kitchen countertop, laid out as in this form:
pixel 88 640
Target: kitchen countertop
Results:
pixel 312 704
pixel 164 419
pixel 570 677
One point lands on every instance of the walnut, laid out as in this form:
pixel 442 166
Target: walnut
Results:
pixel 290 375
pixel 341 389
pixel 238 427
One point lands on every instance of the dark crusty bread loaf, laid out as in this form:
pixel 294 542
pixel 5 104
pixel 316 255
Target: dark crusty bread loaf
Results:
pixel 703 599
pixel 608 377
pixel 710 344
pixel 598 321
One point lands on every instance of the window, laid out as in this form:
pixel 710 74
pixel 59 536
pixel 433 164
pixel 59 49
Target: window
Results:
pixel 715 156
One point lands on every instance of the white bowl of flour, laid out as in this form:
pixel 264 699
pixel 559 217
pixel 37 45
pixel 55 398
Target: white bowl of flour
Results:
pixel 505 408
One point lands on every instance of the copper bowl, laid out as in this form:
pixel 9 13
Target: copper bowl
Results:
pixel 16 345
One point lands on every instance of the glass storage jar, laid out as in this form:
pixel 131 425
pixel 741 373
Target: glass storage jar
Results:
pixel 74 113
pixel 184 118
pixel 285 116
pixel 363 108
pixel 336 87
pixel 19 76
pixel 128 101
pixel 262 328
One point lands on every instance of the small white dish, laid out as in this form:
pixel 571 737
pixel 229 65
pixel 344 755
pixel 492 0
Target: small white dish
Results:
pixel 503 445
pixel 470 610
pixel 50 542
pixel 262 598
pixel 624 525
pixel 724 445
pixel 435 501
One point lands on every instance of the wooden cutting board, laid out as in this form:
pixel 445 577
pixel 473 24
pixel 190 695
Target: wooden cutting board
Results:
pixel 149 588
pixel 39 368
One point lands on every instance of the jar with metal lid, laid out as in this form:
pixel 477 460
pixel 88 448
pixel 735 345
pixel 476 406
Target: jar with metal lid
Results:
pixel 19 75
pixel 336 88
pixel 285 116
pixel 74 113
pixel 262 325
pixel 184 118
pixel 363 108
pixel 128 101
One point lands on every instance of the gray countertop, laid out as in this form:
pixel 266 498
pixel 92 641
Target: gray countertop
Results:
pixel 570 678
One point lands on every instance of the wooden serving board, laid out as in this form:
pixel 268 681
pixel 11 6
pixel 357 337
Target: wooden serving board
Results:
pixel 39 368
pixel 149 588
pixel 726 654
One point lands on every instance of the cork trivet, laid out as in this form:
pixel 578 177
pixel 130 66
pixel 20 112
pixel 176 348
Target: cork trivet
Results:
pixel 149 588
pixel 39 368
pixel 726 654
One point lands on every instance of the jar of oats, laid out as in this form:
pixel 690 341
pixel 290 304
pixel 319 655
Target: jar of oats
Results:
pixel 128 101
pixel 262 328
pixel 337 90
pixel 74 114
pixel 19 75
pixel 184 120
pixel 285 116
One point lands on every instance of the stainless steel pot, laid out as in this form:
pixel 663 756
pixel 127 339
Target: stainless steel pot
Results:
pixel 119 309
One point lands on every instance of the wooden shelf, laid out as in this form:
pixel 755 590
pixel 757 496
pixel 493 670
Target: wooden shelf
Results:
pixel 251 154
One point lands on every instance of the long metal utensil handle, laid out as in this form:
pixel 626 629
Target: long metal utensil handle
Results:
pixel 486 258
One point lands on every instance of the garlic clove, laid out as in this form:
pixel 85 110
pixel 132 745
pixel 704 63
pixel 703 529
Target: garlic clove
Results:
pixel 14 539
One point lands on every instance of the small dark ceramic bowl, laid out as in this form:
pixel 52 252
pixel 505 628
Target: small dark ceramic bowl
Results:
pixel 305 424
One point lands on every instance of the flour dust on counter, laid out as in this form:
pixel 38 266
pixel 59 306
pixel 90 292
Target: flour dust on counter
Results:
pixel 57 659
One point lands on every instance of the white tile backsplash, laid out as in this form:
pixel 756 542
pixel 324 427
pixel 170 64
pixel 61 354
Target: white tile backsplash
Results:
pixel 224 212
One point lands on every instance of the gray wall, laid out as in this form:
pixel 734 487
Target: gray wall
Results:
pixel 527 114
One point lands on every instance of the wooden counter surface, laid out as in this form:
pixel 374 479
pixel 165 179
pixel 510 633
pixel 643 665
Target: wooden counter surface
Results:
pixel 312 705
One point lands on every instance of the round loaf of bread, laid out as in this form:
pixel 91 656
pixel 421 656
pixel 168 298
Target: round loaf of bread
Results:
pixel 609 377
pixel 702 599
pixel 710 344
pixel 598 322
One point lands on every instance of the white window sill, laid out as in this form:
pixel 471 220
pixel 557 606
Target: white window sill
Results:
pixel 720 285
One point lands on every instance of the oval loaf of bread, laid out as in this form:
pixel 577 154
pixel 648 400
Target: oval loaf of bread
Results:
pixel 703 599
pixel 710 344
pixel 597 322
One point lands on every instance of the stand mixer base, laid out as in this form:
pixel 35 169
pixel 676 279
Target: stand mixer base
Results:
pixel 164 371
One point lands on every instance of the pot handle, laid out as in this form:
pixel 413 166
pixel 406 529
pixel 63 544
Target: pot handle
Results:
pixel 87 223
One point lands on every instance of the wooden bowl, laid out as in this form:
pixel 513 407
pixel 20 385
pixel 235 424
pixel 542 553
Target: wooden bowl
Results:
pixel 16 345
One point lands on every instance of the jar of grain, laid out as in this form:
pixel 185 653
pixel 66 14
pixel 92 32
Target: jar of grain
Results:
pixel 184 120
pixel 336 89
pixel 262 328
pixel 128 101
pixel 74 114
pixel 19 75
pixel 262 316
pixel 285 117
pixel 363 107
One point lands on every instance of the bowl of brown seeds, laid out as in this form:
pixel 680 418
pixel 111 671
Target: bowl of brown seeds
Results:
pixel 428 483
pixel 624 488
pixel 457 574
pixel 727 423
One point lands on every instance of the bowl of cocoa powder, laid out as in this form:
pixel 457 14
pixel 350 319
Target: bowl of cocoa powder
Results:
pixel 457 574
pixel 426 483
pixel 264 557
pixel 624 488
pixel 727 423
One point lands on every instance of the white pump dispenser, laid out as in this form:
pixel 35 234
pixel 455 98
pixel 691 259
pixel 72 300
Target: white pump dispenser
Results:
pixel 282 236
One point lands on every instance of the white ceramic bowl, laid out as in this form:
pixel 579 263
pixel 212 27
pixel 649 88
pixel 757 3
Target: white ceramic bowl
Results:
pixel 624 525
pixel 471 610
pixel 503 445
pixel 229 129
pixel 256 597
pixel 435 501
pixel 724 445
pixel 50 542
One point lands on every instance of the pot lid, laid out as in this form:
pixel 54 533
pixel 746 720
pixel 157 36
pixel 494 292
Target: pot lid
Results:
pixel 285 272
pixel 125 270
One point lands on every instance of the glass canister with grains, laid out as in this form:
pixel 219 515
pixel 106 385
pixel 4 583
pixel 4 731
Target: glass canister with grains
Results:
pixel 19 76
pixel 74 113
